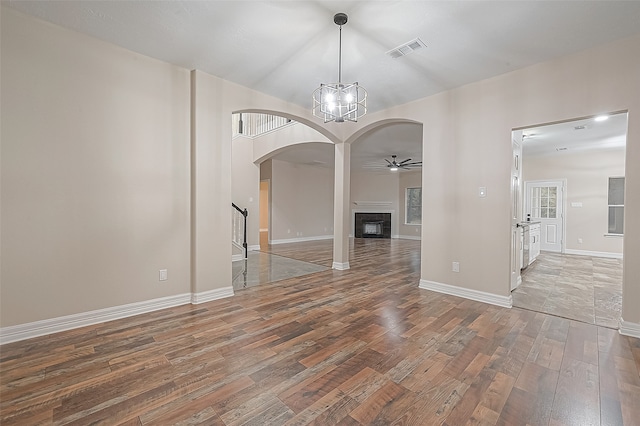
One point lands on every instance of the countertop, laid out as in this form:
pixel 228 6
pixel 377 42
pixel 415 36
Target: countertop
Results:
pixel 533 222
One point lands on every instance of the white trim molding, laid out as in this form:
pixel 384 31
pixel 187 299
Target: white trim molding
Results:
pixel 594 253
pixel 69 322
pixel 340 266
pixel 631 329
pixel 208 296
pixel 29 330
pixel 237 257
pixel 254 247
pixel 407 237
pixel 373 204
pixel 301 239
pixel 478 296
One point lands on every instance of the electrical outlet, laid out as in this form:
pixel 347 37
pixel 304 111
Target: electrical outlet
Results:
pixel 455 266
pixel 162 275
pixel 579 240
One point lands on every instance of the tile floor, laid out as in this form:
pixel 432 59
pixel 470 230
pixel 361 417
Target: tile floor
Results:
pixel 582 288
pixel 261 268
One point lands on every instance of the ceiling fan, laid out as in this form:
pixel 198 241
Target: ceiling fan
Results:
pixel 405 165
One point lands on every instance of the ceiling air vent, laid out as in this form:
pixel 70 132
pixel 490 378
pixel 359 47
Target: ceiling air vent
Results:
pixel 406 48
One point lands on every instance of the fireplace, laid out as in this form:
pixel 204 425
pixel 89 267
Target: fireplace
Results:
pixel 372 225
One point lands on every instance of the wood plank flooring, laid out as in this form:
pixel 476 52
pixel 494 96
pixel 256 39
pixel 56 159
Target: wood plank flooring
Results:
pixel 356 347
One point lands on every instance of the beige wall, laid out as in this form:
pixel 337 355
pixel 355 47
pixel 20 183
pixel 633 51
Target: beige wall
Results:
pixel 412 179
pixel 97 182
pixel 587 174
pixel 467 144
pixel 95 174
pixel 375 187
pixel 245 181
pixel 301 201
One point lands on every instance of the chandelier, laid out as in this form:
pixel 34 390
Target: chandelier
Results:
pixel 339 102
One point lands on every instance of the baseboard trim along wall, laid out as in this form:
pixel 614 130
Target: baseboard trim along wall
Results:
pixel 255 247
pixel 340 266
pixel 594 253
pixel 208 296
pixel 69 322
pixel 478 296
pixel 631 329
pixel 407 237
pixel 302 239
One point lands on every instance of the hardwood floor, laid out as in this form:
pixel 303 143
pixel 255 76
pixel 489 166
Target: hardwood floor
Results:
pixel 362 346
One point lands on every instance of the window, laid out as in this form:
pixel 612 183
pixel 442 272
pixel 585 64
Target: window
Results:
pixel 544 201
pixel 413 206
pixel 616 205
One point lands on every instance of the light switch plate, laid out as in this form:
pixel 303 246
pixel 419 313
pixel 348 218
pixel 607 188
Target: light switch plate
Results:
pixel 162 275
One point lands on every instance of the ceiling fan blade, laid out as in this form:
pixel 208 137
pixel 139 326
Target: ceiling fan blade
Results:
pixel 417 163
pixel 390 163
pixel 402 162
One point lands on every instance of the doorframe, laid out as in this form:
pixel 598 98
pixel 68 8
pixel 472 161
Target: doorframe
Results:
pixel 525 205
pixel 268 209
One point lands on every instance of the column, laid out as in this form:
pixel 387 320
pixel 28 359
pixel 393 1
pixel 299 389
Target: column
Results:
pixel 341 206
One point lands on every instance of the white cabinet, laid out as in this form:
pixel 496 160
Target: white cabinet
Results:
pixel 534 242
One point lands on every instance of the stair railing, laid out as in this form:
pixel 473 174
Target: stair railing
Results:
pixel 239 233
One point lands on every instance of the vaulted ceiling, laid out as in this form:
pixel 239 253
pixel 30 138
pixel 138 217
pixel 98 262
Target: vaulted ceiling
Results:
pixel 287 48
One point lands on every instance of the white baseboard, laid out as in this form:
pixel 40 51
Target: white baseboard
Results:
pixel 255 247
pixel 593 253
pixel 301 239
pixel 340 266
pixel 629 328
pixel 264 229
pixel 237 257
pixel 69 322
pixel 479 296
pixel 407 237
pixel 208 296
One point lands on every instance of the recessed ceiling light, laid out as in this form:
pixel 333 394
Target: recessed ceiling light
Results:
pixel 564 148
pixel 601 118
pixel 579 127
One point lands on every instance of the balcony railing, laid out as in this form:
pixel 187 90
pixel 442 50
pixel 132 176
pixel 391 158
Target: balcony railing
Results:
pixel 255 124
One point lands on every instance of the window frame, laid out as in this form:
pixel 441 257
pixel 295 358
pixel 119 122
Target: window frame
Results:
pixel 615 206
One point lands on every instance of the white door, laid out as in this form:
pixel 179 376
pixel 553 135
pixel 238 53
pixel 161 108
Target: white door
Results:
pixel 516 209
pixel 544 203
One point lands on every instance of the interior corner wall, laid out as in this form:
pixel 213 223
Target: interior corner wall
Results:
pixel 378 187
pixel 301 202
pixel 412 179
pixel 587 174
pixel 95 174
pixel 245 183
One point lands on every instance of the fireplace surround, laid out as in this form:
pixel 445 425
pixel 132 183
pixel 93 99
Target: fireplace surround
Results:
pixel 372 225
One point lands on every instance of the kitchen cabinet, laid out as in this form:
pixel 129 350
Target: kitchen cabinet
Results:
pixel 534 242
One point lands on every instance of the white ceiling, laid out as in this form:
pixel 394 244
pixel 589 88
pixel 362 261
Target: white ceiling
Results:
pixel 575 136
pixel 267 45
